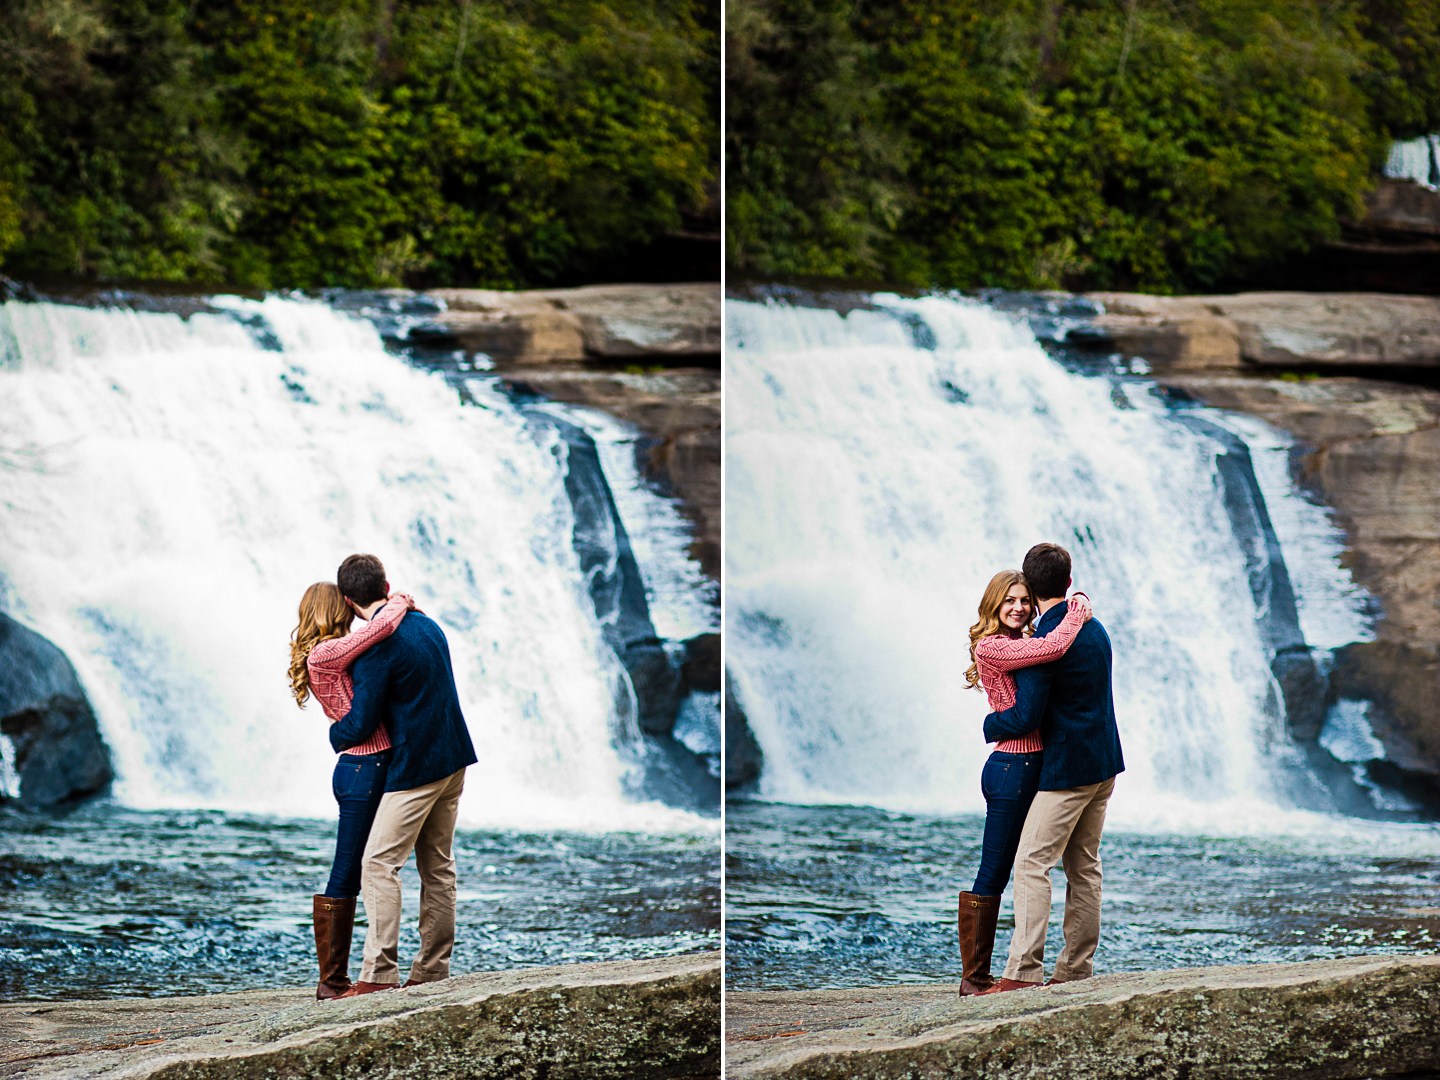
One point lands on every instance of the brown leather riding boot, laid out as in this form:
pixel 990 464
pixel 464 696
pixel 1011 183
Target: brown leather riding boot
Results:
pixel 334 922
pixel 976 924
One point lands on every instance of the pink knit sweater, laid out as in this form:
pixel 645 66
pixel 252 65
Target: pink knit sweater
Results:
pixel 999 654
pixel 329 664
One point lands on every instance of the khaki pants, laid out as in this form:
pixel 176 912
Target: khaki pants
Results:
pixel 423 820
pixel 1062 827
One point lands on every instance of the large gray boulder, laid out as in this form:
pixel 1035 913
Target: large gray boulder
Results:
pixel 59 754
pixel 744 760
pixel 1360 1017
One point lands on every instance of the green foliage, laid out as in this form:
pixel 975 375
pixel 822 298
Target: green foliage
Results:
pixel 814 172
pixel 1103 143
pixel 302 143
pixel 1403 76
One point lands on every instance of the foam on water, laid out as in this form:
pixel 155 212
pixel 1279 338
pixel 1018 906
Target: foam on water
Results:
pixel 882 466
pixel 172 486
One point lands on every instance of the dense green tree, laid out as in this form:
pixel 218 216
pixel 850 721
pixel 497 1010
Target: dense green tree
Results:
pixel 117 167
pixel 1153 144
pixel 814 171
pixel 300 143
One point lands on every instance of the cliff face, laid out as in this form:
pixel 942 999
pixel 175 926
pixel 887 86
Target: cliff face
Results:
pixel 1303 363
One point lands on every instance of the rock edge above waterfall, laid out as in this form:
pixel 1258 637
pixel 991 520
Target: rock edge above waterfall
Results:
pixel 1359 1017
pixel 659 323
pixel 627 1020
pixel 1323 331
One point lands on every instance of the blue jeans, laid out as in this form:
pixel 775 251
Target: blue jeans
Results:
pixel 1008 782
pixel 359 782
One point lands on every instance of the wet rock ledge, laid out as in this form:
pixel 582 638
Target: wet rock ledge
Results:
pixel 1360 1017
pixel 630 1019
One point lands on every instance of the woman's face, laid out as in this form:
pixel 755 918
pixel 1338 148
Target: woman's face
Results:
pixel 1015 608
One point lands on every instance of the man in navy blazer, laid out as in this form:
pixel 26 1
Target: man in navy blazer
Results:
pixel 406 682
pixel 1070 701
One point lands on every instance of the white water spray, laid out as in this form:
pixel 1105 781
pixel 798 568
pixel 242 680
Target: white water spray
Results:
pixel 883 465
pixel 171 487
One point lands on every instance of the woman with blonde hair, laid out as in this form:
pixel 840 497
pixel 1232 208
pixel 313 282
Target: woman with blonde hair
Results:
pixel 321 652
pixel 999 644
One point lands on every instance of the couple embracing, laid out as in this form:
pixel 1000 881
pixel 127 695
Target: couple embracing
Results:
pixel 389 692
pixel 1049 779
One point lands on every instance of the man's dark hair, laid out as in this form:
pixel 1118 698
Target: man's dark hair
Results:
pixel 1046 568
pixel 361 578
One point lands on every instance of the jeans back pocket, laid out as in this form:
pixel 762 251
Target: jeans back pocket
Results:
pixel 349 776
pixel 993 777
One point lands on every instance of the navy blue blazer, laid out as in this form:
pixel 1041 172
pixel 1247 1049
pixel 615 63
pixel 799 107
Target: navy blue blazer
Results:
pixel 1070 701
pixel 406 681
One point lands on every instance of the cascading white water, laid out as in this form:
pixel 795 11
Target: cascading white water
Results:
pixel 1413 160
pixel 682 603
pixel 173 485
pixel 878 476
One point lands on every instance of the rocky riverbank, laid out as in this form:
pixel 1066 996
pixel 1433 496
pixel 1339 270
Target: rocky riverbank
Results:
pixel 1360 1017
pixel 1355 378
pixel 632 1020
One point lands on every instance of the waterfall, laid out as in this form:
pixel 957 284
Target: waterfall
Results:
pixel 883 464
pixel 173 484
pixel 1415 159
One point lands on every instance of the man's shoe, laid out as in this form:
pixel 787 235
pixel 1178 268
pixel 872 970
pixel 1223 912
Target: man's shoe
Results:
pixel 368 988
pixel 976 927
pixel 334 919
pixel 417 982
pixel 999 988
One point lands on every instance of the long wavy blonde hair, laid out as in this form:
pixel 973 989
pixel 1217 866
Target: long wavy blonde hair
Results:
pixel 989 612
pixel 323 615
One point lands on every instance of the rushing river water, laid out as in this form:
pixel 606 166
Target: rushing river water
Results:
pixel 836 896
pixel 176 473
pixel 885 456
pixel 105 901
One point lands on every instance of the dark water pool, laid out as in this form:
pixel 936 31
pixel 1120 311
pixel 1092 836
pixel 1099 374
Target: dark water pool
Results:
pixel 102 901
pixel 854 896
